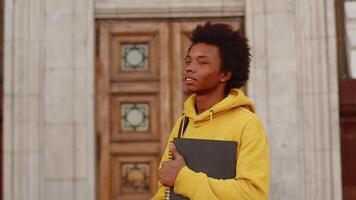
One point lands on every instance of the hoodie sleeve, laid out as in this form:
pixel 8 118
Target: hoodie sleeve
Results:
pixel 252 179
pixel 161 190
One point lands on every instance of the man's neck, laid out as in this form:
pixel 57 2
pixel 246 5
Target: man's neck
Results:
pixel 204 102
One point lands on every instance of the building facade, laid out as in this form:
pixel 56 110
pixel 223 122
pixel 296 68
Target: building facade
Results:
pixel 92 88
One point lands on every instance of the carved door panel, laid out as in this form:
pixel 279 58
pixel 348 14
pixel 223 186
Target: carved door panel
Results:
pixel 132 107
pixel 139 95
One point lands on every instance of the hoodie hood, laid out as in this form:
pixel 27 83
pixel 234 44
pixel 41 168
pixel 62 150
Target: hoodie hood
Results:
pixel 236 98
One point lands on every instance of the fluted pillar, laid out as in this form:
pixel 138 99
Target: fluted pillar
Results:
pixel 350 29
pixel 294 85
pixel 49 100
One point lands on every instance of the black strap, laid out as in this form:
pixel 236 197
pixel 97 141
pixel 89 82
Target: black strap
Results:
pixel 186 121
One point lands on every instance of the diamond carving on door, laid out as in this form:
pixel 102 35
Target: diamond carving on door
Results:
pixel 134 117
pixel 134 57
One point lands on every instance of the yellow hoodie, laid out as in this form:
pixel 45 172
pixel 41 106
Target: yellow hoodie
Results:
pixel 232 119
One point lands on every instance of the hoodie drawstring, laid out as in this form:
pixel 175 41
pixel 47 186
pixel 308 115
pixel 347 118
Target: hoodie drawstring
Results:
pixel 211 119
pixel 182 126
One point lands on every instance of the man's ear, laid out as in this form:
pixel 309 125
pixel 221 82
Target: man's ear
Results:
pixel 225 76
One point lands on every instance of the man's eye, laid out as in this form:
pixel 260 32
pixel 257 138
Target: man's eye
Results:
pixel 203 63
pixel 187 62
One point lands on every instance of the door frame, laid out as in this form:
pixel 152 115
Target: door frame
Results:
pixel 118 11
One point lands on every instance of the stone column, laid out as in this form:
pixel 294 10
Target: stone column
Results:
pixel 350 22
pixel 49 100
pixel 294 85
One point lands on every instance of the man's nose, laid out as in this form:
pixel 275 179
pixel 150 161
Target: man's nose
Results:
pixel 190 67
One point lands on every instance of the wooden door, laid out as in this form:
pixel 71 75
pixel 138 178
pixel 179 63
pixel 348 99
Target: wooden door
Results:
pixel 347 88
pixel 132 107
pixel 139 95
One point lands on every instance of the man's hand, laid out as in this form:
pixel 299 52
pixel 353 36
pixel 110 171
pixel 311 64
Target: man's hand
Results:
pixel 170 169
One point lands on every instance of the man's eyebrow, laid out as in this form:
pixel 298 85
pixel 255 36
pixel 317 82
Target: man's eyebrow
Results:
pixel 202 56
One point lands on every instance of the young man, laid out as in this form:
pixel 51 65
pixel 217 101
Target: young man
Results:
pixel 217 65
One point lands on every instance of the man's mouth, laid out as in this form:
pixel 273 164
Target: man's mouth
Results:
pixel 189 80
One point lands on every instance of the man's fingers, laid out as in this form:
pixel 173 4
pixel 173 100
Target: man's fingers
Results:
pixel 171 147
pixel 169 169
pixel 164 163
pixel 162 180
pixel 173 150
pixel 163 176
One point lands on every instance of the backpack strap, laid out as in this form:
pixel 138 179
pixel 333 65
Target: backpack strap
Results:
pixel 186 122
